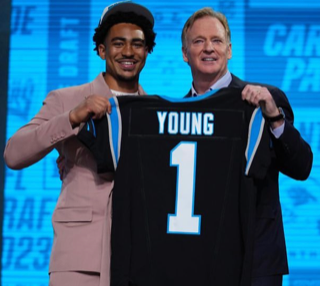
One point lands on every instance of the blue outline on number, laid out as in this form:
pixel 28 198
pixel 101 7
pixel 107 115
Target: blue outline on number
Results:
pixel 193 192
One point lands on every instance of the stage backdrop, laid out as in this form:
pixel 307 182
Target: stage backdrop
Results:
pixel 277 42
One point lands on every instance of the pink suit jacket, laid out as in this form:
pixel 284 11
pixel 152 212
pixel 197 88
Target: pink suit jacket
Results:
pixel 82 216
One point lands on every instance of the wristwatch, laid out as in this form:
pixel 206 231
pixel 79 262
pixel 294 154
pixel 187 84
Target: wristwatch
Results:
pixel 276 118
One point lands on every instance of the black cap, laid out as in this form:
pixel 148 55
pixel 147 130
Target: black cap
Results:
pixel 126 6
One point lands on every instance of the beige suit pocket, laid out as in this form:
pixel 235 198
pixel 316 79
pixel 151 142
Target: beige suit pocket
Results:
pixel 73 214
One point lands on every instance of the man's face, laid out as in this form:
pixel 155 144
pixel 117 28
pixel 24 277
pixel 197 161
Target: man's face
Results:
pixel 125 53
pixel 207 50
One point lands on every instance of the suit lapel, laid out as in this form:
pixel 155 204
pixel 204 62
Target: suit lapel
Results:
pixel 237 82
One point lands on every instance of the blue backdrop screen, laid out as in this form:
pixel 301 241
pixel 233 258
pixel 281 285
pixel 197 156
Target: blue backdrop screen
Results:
pixel 51 47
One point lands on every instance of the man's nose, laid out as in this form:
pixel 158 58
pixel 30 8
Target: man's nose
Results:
pixel 208 46
pixel 127 50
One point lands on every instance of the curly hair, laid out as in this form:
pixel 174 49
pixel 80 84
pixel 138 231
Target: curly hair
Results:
pixel 125 17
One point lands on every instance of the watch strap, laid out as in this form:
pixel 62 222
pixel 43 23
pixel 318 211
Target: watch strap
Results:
pixel 276 118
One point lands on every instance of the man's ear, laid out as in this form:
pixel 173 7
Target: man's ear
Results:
pixel 229 51
pixel 102 51
pixel 184 54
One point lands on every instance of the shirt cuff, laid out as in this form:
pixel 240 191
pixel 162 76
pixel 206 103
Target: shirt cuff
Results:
pixel 277 132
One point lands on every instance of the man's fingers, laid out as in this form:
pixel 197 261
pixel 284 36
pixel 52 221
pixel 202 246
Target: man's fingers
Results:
pixel 109 107
pixel 252 94
pixel 98 105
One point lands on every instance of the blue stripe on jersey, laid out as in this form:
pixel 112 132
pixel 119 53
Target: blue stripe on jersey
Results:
pixel 254 136
pixel 189 99
pixel 93 127
pixel 115 130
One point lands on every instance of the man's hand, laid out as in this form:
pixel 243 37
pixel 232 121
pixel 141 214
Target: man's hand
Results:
pixel 93 106
pixel 61 163
pixel 260 96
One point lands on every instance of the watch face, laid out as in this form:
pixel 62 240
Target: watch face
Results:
pixel 282 112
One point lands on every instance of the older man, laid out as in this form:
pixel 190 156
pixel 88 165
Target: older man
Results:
pixel 206 47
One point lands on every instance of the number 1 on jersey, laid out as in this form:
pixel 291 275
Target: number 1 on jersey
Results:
pixel 183 156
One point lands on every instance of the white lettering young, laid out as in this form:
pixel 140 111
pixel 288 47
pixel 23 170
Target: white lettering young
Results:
pixel 186 123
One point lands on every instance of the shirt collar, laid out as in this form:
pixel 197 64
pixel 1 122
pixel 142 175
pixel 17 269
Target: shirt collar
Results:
pixel 222 82
pixel 119 93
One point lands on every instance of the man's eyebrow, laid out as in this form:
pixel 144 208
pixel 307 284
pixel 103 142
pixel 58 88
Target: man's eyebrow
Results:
pixel 198 37
pixel 138 40
pixel 124 39
pixel 118 39
pixel 204 37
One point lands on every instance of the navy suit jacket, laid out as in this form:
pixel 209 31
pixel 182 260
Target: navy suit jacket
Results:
pixel 292 156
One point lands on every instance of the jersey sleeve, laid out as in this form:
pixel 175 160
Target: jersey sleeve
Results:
pixel 258 146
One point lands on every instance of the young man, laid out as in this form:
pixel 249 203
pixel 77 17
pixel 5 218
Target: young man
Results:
pixel 206 47
pixel 81 219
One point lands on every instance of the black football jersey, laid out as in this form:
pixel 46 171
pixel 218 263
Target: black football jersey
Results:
pixel 184 193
